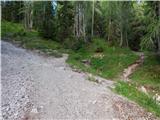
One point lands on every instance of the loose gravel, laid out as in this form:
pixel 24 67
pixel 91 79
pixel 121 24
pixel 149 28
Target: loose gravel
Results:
pixel 36 87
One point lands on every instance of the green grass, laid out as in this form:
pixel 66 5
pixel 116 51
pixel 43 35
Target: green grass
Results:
pixel 28 39
pixel 110 66
pixel 9 29
pixel 148 74
pixel 142 99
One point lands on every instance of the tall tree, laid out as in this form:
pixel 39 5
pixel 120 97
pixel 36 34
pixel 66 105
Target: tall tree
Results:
pixel 152 33
pixel 65 15
pixel 92 19
pixel 11 11
pixel 80 20
pixel 28 14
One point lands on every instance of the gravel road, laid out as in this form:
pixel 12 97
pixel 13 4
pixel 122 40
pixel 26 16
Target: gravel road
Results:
pixel 36 87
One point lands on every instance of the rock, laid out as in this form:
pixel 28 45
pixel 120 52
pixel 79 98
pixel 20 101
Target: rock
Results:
pixel 39 108
pixel 98 55
pixel 143 89
pixel 23 96
pixel 87 62
pixel 156 97
pixel 76 70
pixel 34 111
pixel 90 75
pixel 94 102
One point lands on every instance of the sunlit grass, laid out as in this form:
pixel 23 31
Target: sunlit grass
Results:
pixel 110 65
pixel 130 91
pixel 29 39
pixel 148 74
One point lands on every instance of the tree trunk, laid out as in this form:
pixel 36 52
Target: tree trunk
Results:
pixel 80 26
pixel 121 42
pixel 78 21
pixel 84 27
pixel 28 21
pixel 109 24
pixel 31 19
pixel 126 39
pixel 92 19
pixel 159 29
pixel 158 44
pixel 25 15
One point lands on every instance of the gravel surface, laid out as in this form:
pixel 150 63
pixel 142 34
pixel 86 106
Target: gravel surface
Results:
pixel 36 87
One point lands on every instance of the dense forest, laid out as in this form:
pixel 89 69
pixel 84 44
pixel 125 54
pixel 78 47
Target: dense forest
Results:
pixel 101 37
pixel 126 24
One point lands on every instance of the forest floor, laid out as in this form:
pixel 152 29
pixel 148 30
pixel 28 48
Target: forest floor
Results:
pixel 36 86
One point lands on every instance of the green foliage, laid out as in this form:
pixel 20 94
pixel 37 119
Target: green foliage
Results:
pixel 109 64
pixel 137 26
pixel 11 11
pixel 148 41
pixel 9 29
pixel 41 44
pixel 29 39
pixel 125 24
pixel 73 44
pixel 47 28
pixel 142 99
pixel 148 74
pixel 151 38
pixel 65 14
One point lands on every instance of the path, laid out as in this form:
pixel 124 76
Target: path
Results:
pixel 36 87
pixel 131 68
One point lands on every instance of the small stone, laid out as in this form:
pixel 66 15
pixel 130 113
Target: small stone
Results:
pixel 156 97
pixel 143 89
pixel 94 102
pixel 39 108
pixel 34 110
pixel 23 96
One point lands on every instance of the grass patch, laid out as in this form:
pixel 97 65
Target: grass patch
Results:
pixel 109 66
pixel 129 91
pixel 29 39
pixel 92 79
pixel 9 29
pixel 148 74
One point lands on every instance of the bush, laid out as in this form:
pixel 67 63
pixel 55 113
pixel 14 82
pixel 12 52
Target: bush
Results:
pixel 99 50
pixel 73 43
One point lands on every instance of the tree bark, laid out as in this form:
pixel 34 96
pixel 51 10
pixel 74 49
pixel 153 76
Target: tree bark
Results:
pixel 126 39
pixel 159 28
pixel 121 42
pixel 80 26
pixel 28 21
pixel 92 19
pixel 109 24
pixel 84 27
pixel 31 17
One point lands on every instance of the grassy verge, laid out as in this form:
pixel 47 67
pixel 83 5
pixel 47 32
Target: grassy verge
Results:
pixel 129 91
pixel 28 39
pixel 148 75
pixel 103 60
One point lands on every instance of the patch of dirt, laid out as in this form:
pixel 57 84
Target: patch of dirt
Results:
pixel 131 68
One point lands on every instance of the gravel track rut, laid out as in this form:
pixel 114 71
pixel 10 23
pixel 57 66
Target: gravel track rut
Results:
pixel 36 87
